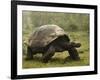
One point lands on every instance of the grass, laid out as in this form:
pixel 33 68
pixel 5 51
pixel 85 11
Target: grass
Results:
pixel 59 58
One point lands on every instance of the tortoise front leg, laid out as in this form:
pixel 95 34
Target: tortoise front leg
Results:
pixel 73 54
pixel 48 55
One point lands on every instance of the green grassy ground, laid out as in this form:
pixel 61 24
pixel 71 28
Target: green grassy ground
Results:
pixel 59 58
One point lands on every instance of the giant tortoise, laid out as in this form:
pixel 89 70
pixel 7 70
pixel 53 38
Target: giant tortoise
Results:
pixel 48 39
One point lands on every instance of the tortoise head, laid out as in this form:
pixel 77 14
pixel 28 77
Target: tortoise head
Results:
pixel 72 45
pixel 77 45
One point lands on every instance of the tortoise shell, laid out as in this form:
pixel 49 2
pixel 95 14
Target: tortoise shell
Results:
pixel 44 35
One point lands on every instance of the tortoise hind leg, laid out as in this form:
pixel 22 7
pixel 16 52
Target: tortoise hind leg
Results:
pixel 29 55
pixel 48 55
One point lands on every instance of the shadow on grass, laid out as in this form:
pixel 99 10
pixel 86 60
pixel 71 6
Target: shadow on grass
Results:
pixel 39 59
